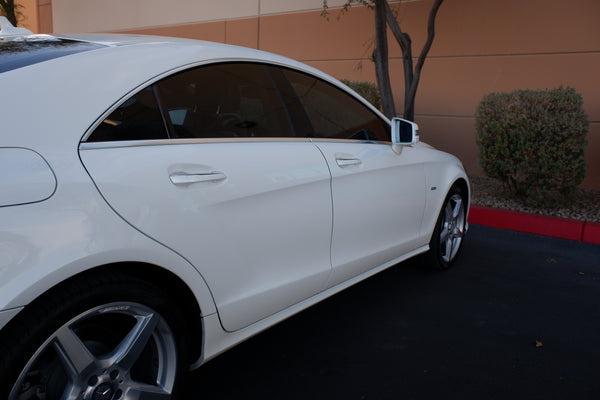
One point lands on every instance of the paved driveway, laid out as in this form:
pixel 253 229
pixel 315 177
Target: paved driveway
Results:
pixel 517 317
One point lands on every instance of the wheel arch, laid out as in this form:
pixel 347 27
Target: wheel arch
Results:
pixel 441 177
pixel 462 184
pixel 177 290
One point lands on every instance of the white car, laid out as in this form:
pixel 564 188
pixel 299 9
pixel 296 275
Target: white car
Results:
pixel 162 200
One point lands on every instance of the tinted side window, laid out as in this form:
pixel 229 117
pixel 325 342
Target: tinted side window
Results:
pixel 334 113
pixel 138 118
pixel 224 100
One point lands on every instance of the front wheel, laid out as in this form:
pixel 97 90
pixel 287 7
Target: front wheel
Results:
pixel 115 338
pixel 449 232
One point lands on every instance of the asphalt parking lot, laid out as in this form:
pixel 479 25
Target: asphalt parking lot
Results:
pixel 517 317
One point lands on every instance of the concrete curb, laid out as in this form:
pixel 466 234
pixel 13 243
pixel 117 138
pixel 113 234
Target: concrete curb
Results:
pixel 563 228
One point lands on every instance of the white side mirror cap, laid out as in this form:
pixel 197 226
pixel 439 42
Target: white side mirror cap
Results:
pixel 404 132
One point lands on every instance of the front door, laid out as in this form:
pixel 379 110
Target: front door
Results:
pixel 378 195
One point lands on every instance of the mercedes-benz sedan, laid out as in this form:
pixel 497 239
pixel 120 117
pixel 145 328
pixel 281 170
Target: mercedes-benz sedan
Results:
pixel 161 200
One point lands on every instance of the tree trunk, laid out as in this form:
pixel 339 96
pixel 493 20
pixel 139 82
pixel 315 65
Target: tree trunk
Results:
pixel 405 43
pixel 380 54
pixel 384 16
pixel 9 10
pixel 412 75
pixel 419 66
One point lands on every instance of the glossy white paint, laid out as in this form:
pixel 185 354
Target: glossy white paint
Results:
pixel 279 226
pixel 378 204
pixel 259 236
pixel 8 30
pixel 45 243
pixel 25 177
pixel 441 171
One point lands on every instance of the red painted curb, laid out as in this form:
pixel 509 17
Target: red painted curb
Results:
pixel 591 233
pixel 562 228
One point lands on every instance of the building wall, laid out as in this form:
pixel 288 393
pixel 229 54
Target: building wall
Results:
pixel 44 11
pixel 480 46
pixel 29 15
pixel 36 15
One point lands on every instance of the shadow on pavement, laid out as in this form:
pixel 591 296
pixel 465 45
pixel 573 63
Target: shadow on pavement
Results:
pixel 516 317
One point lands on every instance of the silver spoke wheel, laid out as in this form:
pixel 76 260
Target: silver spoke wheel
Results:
pixel 116 351
pixel 452 227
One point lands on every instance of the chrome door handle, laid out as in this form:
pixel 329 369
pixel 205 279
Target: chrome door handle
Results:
pixel 346 161
pixel 183 178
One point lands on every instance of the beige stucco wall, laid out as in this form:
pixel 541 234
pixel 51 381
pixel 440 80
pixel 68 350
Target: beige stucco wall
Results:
pixel 108 15
pixel 29 15
pixel 35 15
pixel 480 46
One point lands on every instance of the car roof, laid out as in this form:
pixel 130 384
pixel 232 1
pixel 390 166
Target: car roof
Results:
pixel 191 50
pixel 89 82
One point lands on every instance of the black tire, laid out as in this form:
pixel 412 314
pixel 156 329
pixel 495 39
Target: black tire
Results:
pixel 448 236
pixel 117 332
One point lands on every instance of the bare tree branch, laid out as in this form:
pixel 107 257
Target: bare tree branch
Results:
pixel 381 60
pixel 384 16
pixel 402 38
pixel 405 43
pixel 426 47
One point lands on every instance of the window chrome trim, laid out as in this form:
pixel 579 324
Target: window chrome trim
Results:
pixel 171 142
pixel 335 140
pixel 174 71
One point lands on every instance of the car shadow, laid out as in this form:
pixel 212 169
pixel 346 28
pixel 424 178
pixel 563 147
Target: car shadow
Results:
pixel 301 354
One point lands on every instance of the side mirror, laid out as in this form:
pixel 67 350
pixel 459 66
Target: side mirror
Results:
pixel 404 132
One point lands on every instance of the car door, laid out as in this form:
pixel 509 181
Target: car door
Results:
pixel 378 195
pixel 229 186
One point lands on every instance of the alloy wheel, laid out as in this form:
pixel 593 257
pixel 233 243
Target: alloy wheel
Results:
pixel 452 228
pixel 116 351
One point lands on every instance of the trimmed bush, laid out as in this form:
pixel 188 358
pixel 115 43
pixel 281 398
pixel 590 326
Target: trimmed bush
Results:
pixel 534 141
pixel 367 90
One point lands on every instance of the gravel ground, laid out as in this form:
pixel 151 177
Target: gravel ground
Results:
pixel 491 193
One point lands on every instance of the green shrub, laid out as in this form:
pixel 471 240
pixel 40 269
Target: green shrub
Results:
pixel 534 141
pixel 367 90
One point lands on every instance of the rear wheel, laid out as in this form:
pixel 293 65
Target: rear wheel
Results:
pixel 102 339
pixel 449 231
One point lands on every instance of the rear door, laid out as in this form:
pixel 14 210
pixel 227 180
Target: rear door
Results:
pixel 224 182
